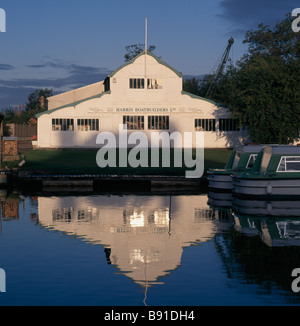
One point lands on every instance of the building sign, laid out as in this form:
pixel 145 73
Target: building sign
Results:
pixel 146 110
pixel 93 110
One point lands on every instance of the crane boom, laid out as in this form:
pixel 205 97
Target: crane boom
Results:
pixel 221 67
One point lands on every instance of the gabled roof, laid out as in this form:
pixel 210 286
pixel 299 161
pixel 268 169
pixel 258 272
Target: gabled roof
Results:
pixel 72 104
pixel 203 99
pixel 179 74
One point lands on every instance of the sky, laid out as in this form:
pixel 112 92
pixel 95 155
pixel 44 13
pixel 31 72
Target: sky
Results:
pixel 66 44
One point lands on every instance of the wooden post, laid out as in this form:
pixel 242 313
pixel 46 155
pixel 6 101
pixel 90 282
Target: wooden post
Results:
pixel 1 139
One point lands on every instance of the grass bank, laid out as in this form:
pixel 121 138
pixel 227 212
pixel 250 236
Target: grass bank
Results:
pixel 84 161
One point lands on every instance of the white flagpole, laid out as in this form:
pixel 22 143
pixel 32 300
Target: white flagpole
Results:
pixel 146 34
pixel 146 45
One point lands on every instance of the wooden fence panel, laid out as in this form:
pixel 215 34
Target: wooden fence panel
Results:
pixel 22 130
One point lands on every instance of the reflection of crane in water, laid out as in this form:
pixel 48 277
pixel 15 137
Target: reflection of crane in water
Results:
pixel 220 69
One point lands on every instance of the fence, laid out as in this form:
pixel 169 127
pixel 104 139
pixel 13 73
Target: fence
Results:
pixel 22 130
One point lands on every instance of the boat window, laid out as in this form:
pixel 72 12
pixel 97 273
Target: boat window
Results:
pixel 251 161
pixel 281 166
pixel 289 164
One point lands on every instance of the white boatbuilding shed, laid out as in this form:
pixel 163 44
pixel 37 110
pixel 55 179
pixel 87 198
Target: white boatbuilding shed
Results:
pixel 146 95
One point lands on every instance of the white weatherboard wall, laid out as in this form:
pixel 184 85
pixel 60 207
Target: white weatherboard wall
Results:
pixel 112 99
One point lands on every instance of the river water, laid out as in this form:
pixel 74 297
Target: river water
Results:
pixel 147 250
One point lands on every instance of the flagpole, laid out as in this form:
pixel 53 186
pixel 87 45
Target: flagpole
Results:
pixel 146 44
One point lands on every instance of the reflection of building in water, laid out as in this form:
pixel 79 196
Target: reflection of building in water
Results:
pixel 10 208
pixel 143 235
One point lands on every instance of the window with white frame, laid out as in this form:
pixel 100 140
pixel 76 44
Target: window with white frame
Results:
pixel 158 122
pixel 88 124
pixel 251 161
pixel 154 83
pixel 205 124
pixel 62 124
pixel 87 215
pixel 63 215
pixel 136 83
pixel 289 164
pixel 134 122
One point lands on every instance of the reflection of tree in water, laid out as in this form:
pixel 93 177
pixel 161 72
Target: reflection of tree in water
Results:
pixel 249 260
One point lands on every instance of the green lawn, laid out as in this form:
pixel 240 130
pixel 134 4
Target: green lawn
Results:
pixel 84 161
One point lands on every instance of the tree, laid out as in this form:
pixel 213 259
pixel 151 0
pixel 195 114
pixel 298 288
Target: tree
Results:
pixel 135 49
pixel 263 90
pixel 192 86
pixel 37 100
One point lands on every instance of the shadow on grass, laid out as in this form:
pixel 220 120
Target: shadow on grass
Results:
pixel 78 161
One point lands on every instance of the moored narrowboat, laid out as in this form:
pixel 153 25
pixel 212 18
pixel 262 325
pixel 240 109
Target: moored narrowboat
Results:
pixel 240 160
pixel 276 172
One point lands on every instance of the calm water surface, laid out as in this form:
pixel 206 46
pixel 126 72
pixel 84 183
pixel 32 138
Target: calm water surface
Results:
pixel 154 250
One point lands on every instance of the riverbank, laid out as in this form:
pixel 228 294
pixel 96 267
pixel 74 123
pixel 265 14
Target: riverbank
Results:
pixel 80 161
pixel 77 170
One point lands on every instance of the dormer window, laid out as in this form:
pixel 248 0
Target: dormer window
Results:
pixel 136 83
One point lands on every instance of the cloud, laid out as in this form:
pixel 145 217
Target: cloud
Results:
pixel 244 15
pixel 36 66
pixel 4 66
pixel 12 96
pixel 77 75
pixel 70 76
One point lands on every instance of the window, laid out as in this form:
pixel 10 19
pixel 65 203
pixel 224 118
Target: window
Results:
pixel 158 122
pixel 154 84
pixel 88 124
pixel 228 125
pixel 63 215
pixel 87 215
pixel 134 122
pixel 62 124
pixel 205 124
pixel 251 161
pixel 134 217
pixel 289 164
pixel 136 83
